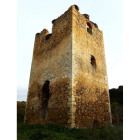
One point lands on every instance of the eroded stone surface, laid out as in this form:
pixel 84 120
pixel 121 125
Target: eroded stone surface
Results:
pixel 72 59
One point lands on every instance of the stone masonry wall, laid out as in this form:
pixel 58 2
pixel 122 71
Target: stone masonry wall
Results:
pixel 90 85
pixel 51 61
pixel 78 89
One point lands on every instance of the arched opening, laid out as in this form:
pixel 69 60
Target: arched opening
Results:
pixel 89 27
pixel 93 61
pixel 47 37
pixel 45 98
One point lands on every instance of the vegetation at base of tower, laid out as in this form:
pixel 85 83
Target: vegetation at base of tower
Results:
pixel 116 102
pixel 20 111
pixel 116 95
pixel 56 132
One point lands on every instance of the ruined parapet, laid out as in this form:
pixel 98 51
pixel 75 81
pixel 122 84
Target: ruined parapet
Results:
pixel 86 16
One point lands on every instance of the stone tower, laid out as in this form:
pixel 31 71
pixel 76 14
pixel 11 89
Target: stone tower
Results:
pixel 68 80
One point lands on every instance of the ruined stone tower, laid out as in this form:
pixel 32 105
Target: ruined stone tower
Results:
pixel 68 80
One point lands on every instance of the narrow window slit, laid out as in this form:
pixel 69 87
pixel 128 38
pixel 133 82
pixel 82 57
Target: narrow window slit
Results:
pixel 93 61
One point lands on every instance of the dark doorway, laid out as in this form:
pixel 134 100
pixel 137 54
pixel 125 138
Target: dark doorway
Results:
pixel 45 98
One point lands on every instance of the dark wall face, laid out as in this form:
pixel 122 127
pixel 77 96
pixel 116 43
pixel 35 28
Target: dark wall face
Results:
pixel 57 111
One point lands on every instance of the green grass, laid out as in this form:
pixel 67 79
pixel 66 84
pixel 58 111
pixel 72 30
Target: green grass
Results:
pixel 56 132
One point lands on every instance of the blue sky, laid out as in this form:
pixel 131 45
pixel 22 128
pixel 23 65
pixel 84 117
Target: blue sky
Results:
pixel 35 15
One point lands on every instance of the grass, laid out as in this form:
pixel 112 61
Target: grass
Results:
pixel 56 132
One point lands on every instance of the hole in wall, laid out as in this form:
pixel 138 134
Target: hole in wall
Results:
pixel 89 25
pixel 45 98
pixel 93 61
pixel 47 37
pixel 89 28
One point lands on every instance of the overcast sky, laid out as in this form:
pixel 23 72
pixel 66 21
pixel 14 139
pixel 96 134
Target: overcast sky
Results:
pixel 35 15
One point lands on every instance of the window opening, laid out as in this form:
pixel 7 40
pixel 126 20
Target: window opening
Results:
pixel 93 61
pixel 47 37
pixel 89 28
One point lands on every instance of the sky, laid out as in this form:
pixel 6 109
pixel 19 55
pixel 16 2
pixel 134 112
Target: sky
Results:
pixel 35 15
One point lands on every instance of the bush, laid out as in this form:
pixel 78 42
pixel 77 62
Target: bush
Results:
pixel 109 133
pixel 116 95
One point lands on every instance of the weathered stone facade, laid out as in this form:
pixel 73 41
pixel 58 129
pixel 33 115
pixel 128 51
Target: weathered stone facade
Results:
pixel 68 80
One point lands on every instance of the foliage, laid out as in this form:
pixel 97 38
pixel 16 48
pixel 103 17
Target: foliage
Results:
pixel 116 95
pixel 20 112
pixel 114 104
pixel 56 132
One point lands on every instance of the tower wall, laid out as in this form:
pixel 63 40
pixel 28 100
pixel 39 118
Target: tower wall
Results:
pixel 78 89
pixel 51 61
pixel 89 84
